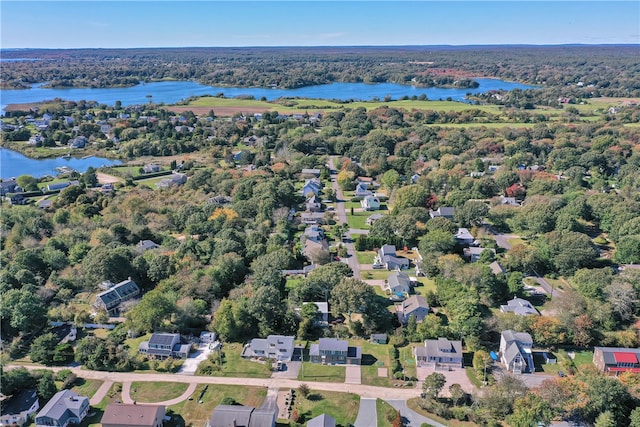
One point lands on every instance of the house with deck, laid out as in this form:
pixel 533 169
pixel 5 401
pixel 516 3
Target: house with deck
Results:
pixel 370 203
pixel 387 258
pixel 64 408
pixel 277 347
pixel 332 351
pixel 163 346
pixel 398 284
pixel 111 300
pixel 515 351
pixel 440 353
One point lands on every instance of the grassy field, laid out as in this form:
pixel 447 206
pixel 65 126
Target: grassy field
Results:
pixel 386 413
pixel 427 285
pixel 341 406
pixel 151 182
pixel 413 404
pixel 192 412
pixel 134 343
pixel 381 274
pixel 358 220
pixel 484 125
pixel 407 361
pixel 324 373
pixel 365 257
pixel 86 387
pixel 151 392
pixel 235 366
pixel 375 356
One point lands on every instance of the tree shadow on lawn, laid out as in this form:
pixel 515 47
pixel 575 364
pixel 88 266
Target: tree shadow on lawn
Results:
pixel 315 397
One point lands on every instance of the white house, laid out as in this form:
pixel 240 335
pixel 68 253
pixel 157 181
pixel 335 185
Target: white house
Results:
pixel 519 306
pixel 387 258
pixel 278 347
pixel 515 351
pixel 370 203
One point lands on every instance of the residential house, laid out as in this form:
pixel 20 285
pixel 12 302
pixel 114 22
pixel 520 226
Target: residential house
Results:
pixel 79 142
pixel 379 338
pixel 106 188
pixel 313 204
pixel 133 415
pixel 370 203
pixel 111 299
pixel 310 173
pixel 64 408
pixel 398 284
pixel 311 186
pixel 17 409
pixel 322 420
pixel 496 268
pixel 253 139
pixel 312 217
pixel 59 186
pixel 243 416
pixel 151 168
pixel 464 237
pixel 162 346
pixel 145 245
pixel 515 351
pixel 473 253
pixel 8 186
pixel 313 249
pixel 175 180
pixel 439 353
pixel 314 232
pixel 330 351
pixel 615 360
pixel 416 306
pixel 18 199
pixel 519 306
pixel 361 190
pixel 322 315
pixel 442 211
pixel 387 258
pixel 372 219
pixel 35 140
pixel 277 347
pixel 207 337
pixel 510 201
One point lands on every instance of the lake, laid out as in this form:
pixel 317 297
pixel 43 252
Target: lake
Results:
pixel 14 164
pixel 170 92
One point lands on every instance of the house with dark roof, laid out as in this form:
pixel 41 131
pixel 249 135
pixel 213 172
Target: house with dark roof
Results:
pixel 519 306
pixel 16 409
pixel 243 416
pixel 162 346
pixel 515 351
pixel 388 259
pixel 442 211
pixel 330 351
pixel 616 360
pixel 415 305
pixel 133 415
pixel 398 284
pixel 7 186
pixel 277 347
pixel 151 168
pixel 322 420
pixel 176 179
pixel 314 232
pixel 145 245
pixel 64 408
pixel 111 299
pixel 439 353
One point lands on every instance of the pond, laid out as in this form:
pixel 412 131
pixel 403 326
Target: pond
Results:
pixel 14 164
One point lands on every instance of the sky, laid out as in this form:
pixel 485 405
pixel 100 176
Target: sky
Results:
pixel 157 23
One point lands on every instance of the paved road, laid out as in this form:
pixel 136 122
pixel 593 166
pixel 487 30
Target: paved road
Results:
pixel 411 418
pixel 101 393
pixel 367 414
pixel 352 260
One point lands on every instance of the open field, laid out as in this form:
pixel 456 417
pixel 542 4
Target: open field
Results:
pixel 234 365
pixel 150 392
pixel 86 387
pixel 324 373
pixel 341 406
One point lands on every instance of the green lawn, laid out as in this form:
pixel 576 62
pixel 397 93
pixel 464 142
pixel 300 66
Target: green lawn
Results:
pixel 381 274
pixel 341 406
pixel 498 125
pixel 134 343
pixel 113 396
pixel 86 387
pixel 155 391
pixel 358 220
pixel 407 361
pixel 192 412
pixel 233 365
pixel 151 182
pixel 516 241
pixel 324 373
pixel 375 356
pixel 386 413
pixel 365 257
pixel 427 285
pixel 292 282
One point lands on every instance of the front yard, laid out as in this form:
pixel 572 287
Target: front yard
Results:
pixel 233 365
pixel 341 406
pixel 323 373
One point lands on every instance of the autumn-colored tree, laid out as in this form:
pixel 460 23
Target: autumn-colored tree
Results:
pixel 583 331
pixel 397 421
pixel 548 331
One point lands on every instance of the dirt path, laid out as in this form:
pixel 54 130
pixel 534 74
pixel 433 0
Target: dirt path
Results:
pixel 104 178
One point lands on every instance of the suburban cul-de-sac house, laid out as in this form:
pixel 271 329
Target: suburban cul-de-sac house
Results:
pixel 440 353
pixel 64 408
pixel 277 347
pixel 387 258
pixel 162 346
pixel 330 351
pixel 515 351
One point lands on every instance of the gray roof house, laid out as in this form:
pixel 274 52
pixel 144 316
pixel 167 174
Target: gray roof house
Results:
pixel 17 409
pixel 313 204
pixel 312 217
pixel 311 186
pixel 387 258
pixel 278 347
pixel 439 353
pixel 322 315
pixel 415 305
pixel 519 306
pixel 361 190
pixel 145 245
pixel 312 249
pixel 64 408
pixel 473 253
pixel 151 168
pixel 310 172
pixel 111 299
pixel 322 420
pixel 442 211
pixel 175 180
pixel 7 186
pixel 398 284
pixel 242 416
pixel 372 219
pixel 314 232
pixel 370 203
pixel 163 346
pixel 464 237
pixel 334 351
pixel 515 351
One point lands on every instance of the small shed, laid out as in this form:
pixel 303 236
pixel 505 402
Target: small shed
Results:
pixel 549 358
pixel 379 338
